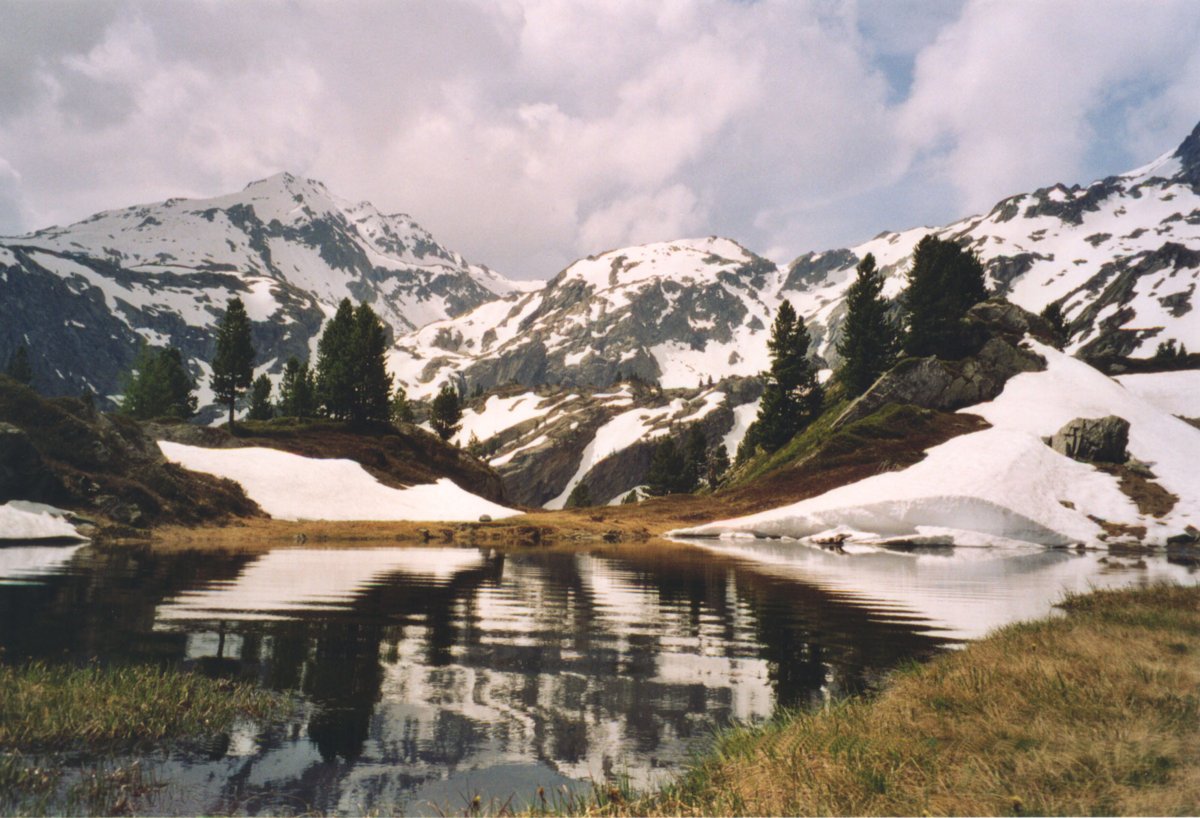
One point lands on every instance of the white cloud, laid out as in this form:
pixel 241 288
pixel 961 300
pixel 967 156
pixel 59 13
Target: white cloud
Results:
pixel 527 133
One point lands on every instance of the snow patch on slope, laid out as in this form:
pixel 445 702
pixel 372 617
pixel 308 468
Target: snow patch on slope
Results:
pixel 291 487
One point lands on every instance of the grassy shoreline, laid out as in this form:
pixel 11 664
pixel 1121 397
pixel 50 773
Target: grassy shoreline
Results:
pixel 1096 712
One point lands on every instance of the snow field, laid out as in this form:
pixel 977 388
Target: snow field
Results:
pixel 32 522
pixel 291 487
pixel 1175 392
pixel 1004 484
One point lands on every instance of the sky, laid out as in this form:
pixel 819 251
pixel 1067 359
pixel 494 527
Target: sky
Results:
pixel 528 133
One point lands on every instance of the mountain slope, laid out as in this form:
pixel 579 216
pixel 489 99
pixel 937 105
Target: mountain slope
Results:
pixel 1121 256
pixel 83 296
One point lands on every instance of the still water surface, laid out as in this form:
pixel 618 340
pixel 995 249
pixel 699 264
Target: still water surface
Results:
pixel 427 676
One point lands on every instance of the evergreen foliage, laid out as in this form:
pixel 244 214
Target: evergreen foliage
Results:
pixel 717 466
pixel 402 411
pixel 945 282
pixel 19 368
pixel 159 386
pixel 793 396
pixel 1168 353
pixel 666 465
pixel 260 399
pixel 352 379
pixel 297 390
pixel 233 365
pixel 630 499
pixel 869 339
pixel 580 497
pixel 695 459
pixel 446 414
pixel 1053 315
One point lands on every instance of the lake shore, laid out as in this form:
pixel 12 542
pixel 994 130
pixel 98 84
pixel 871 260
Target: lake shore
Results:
pixel 1095 712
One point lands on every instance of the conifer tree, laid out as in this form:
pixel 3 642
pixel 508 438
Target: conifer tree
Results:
pixel 260 399
pixel 19 368
pixel 695 460
pixel 666 465
pixel 402 411
pixel 717 466
pixel 335 363
pixel 945 281
pixel 446 413
pixel 869 340
pixel 233 365
pixel 580 496
pixel 1058 324
pixel 159 386
pixel 793 396
pixel 297 390
pixel 372 384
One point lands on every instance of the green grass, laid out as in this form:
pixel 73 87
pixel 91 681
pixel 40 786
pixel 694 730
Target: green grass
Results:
pixel 1097 712
pixel 56 708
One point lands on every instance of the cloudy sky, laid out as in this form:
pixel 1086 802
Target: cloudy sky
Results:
pixel 528 133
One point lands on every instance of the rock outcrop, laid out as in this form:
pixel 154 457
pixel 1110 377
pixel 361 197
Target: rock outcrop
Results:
pixel 1093 440
pixel 932 383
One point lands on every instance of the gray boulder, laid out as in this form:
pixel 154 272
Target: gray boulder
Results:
pixel 1093 440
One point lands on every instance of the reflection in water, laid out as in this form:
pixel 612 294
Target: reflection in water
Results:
pixel 430 675
pixel 20 563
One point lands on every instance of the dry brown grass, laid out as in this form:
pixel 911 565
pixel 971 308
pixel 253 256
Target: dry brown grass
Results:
pixel 1094 713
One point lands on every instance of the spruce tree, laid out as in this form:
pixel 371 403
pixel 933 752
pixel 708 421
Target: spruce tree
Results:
pixel 666 466
pixel 159 386
pixel 446 413
pixel 297 390
pixel 19 368
pixel 233 365
pixel 372 385
pixel 793 396
pixel 260 399
pixel 335 363
pixel 695 460
pixel 869 340
pixel 945 281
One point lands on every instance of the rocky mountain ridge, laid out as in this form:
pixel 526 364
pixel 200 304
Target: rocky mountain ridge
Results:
pixel 86 295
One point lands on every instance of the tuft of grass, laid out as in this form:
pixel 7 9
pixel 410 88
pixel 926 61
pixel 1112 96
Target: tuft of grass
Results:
pixel 1097 712
pixel 47 708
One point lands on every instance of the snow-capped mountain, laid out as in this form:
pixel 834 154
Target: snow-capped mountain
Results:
pixel 83 296
pixel 677 313
pixel 1121 256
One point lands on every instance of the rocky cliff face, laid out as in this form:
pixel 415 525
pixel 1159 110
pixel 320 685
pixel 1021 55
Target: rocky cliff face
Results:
pixel 83 297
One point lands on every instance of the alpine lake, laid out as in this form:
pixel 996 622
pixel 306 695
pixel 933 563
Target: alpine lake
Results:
pixel 424 678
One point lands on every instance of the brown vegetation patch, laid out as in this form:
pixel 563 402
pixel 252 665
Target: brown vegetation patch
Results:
pixel 1149 496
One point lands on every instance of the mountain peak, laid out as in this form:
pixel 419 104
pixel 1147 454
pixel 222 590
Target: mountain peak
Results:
pixel 1188 155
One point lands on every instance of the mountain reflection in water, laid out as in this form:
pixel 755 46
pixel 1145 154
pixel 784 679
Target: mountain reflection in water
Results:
pixel 427 676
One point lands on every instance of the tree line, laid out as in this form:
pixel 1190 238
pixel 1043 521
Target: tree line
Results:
pixel 350 381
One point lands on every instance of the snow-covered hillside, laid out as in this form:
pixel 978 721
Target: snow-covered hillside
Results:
pixel 1121 256
pixel 676 313
pixel 1005 483
pixel 290 487
pixel 83 296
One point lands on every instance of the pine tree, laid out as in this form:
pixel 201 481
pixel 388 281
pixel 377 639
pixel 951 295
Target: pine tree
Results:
pixel 297 390
pixel 335 363
pixel 402 411
pixel 945 281
pixel 793 396
pixel 869 340
pixel 1058 324
pixel 695 460
pixel 260 399
pixel 446 413
pixel 19 368
pixel 159 386
pixel 233 365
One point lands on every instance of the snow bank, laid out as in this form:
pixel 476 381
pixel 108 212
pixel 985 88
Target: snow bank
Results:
pixel 291 487
pixel 1174 392
pixel 1004 483
pixel 30 522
